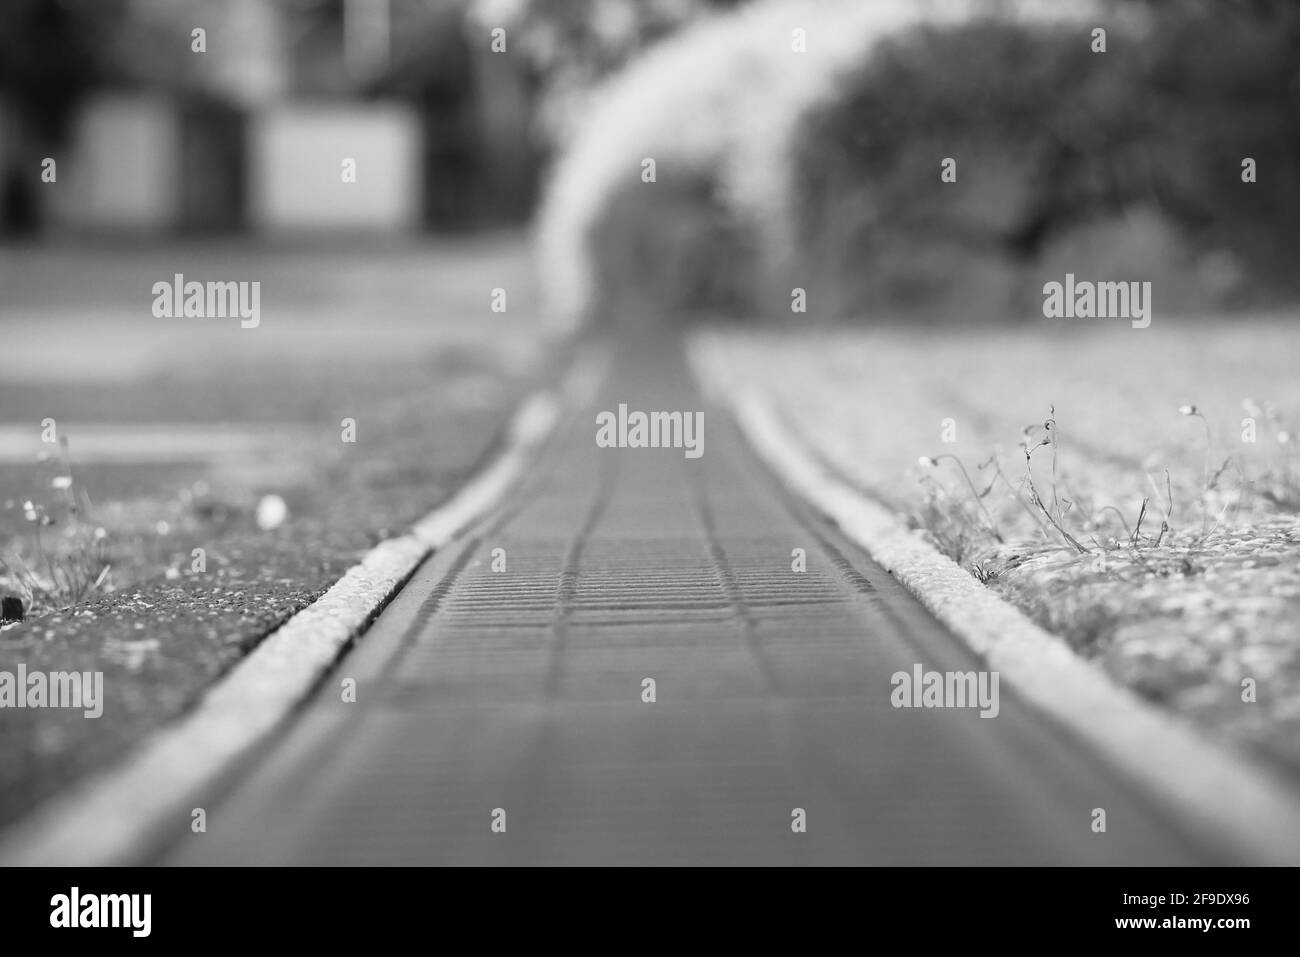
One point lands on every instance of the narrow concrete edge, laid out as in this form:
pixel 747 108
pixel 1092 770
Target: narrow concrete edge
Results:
pixel 106 818
pixel 1211 790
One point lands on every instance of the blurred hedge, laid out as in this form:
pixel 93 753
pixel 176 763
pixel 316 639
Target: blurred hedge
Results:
pixel 1065 159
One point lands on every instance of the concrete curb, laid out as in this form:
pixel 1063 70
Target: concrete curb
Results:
pixel 111 816
pixel 1212 791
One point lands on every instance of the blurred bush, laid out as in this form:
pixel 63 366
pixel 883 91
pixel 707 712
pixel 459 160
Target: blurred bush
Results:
pixel 1064 157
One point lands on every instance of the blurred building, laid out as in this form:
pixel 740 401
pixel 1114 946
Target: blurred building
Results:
pixel 281 116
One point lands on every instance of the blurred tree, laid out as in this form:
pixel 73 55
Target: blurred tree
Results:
pixel 570 45
pixel 51 53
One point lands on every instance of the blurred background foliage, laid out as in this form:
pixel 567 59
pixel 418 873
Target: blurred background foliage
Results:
pixel 489 122
pixel 1124 162
pixel 52 52
pixel 1129 158
pixel 572 45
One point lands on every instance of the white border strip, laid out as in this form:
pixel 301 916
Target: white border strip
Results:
pixel 109 817
pixel 1207 787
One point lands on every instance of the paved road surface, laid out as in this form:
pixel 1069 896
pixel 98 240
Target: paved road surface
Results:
pixel 522 690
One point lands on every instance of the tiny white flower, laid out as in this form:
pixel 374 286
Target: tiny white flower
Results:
pixel 271 512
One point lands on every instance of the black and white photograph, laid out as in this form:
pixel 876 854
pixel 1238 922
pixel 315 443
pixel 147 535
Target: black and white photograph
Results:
pixel 650 433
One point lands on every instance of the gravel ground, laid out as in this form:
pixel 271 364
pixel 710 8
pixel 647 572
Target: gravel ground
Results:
pixel 159 630
pixel 1192 616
